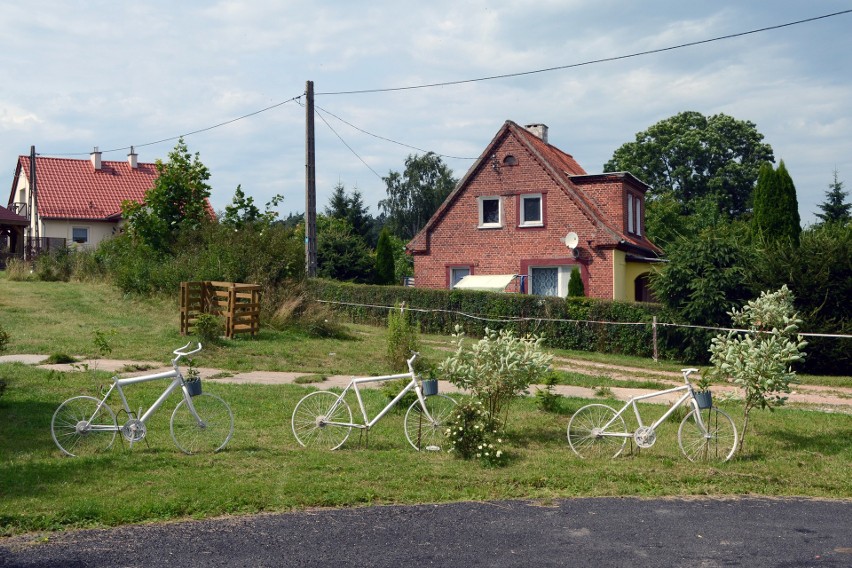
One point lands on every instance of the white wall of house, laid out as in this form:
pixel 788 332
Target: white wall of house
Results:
pixel 94 231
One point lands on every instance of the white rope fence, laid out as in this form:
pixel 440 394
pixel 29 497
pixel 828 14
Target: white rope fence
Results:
pixel 654 324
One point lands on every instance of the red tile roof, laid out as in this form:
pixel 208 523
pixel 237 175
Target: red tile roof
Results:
pixel 73 189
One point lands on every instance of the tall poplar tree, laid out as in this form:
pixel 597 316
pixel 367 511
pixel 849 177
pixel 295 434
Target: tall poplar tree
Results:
pixel 776 208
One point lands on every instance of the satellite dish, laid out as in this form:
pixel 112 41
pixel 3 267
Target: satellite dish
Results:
pixel 571 240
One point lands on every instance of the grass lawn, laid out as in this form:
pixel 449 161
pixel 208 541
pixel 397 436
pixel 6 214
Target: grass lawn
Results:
pixel 788 452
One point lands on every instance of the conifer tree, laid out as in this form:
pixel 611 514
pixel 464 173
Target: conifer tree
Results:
pixel 776 208
pixel 575 284
pixel 384 259
pixel 834 208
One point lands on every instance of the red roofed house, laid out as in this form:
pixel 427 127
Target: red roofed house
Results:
pixel 75 201
pixel 527 210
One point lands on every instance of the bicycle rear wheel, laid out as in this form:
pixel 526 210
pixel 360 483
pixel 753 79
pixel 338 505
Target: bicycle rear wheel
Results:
pixel 425 434
pixel 586 429
pixel 210 432
pixel 311 417
pixel 80 428
pixel 717 444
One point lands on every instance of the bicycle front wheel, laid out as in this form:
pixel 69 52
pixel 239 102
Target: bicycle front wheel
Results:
pixel 80 428
pixel 717 444
pixel 312 417
pixel 208 430
pixel 423 433
pixel 586 432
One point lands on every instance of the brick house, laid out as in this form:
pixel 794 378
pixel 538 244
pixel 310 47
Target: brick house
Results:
pixel 528 212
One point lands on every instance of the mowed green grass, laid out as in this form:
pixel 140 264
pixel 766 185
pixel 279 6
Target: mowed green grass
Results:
pixel 263 469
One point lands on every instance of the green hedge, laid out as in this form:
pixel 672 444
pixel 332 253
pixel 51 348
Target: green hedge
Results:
pixel 438 311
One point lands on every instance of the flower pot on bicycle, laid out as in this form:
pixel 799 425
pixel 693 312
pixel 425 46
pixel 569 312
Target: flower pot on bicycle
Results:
pixel 704 399
pixel 430 387
pixel 193 387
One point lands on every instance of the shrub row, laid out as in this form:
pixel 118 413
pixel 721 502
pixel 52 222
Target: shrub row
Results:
pixel 572 323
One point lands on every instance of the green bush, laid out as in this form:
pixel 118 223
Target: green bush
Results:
pixel 209 328
pixel 55 265
pixel 473 434
pixel 565 323
pixel 4 339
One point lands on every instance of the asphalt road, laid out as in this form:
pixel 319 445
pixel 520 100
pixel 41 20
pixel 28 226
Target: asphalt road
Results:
pixel 595 532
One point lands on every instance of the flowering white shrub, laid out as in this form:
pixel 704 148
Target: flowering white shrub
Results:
pixel 497 368
pixel 472 434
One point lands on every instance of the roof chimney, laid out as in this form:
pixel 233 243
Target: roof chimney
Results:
pixel 539 130
pixel 96 158
pixel 131 159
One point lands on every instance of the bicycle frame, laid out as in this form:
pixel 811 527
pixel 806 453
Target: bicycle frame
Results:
pixel 369 423
pixel 687 395
pixel 178 381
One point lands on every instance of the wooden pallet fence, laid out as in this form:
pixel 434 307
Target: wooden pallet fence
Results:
pixel 238 304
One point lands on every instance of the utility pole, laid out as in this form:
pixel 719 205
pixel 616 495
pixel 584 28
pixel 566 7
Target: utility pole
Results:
pixel 310 186
pixel 33 206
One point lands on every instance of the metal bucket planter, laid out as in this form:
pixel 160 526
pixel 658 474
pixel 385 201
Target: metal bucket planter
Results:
pixel 430 387
pixel 194 387
pixel 704 399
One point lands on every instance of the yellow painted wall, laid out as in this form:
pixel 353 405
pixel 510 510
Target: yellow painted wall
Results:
pixel 624 276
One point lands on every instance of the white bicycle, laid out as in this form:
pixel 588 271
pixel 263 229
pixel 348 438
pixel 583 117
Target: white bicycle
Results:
pixel 85 425
pixel 323 419
pixel 705 434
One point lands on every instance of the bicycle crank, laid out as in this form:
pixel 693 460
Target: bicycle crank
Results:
pixel 134 430
pixel 645 436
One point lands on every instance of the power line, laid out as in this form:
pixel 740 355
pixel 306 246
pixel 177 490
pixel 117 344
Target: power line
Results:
pixel 585 63
pixel 389 139
pixel 461 82
pixel 200 130
pixel 319 114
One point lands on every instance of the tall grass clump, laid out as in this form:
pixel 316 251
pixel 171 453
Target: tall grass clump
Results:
pixel 403 338
pixel 17 269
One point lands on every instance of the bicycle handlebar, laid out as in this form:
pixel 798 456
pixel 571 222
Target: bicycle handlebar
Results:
pixel 410 362
pixel 686 373
pixel 181 353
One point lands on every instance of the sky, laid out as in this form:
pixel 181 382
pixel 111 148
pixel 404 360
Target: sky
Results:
pixel 115 74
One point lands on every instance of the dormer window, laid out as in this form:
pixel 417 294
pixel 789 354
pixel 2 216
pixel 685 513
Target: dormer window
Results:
pixel 490 212
pixel 634 215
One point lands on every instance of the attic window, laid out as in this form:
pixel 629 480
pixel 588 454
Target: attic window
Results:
pixel 510 160
pixel 490 212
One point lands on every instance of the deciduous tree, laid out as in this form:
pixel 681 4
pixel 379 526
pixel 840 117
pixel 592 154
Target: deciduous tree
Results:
pixel 177 201
pixel 694 156
pixel 414 195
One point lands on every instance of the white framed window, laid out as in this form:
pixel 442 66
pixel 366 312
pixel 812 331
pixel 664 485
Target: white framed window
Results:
pixel 490 212
pixel 457 273
pixel 549 280
pixel 638 211
pixel 80 235
pixel 629 212
pixel 634 214
pixel 532 210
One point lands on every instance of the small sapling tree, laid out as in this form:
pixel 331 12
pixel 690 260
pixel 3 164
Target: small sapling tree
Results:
pixel 760 359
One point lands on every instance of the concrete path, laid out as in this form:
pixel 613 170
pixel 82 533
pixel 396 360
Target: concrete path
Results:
pixel 829 398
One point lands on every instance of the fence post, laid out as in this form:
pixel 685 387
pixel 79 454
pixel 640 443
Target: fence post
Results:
pixel 654 328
